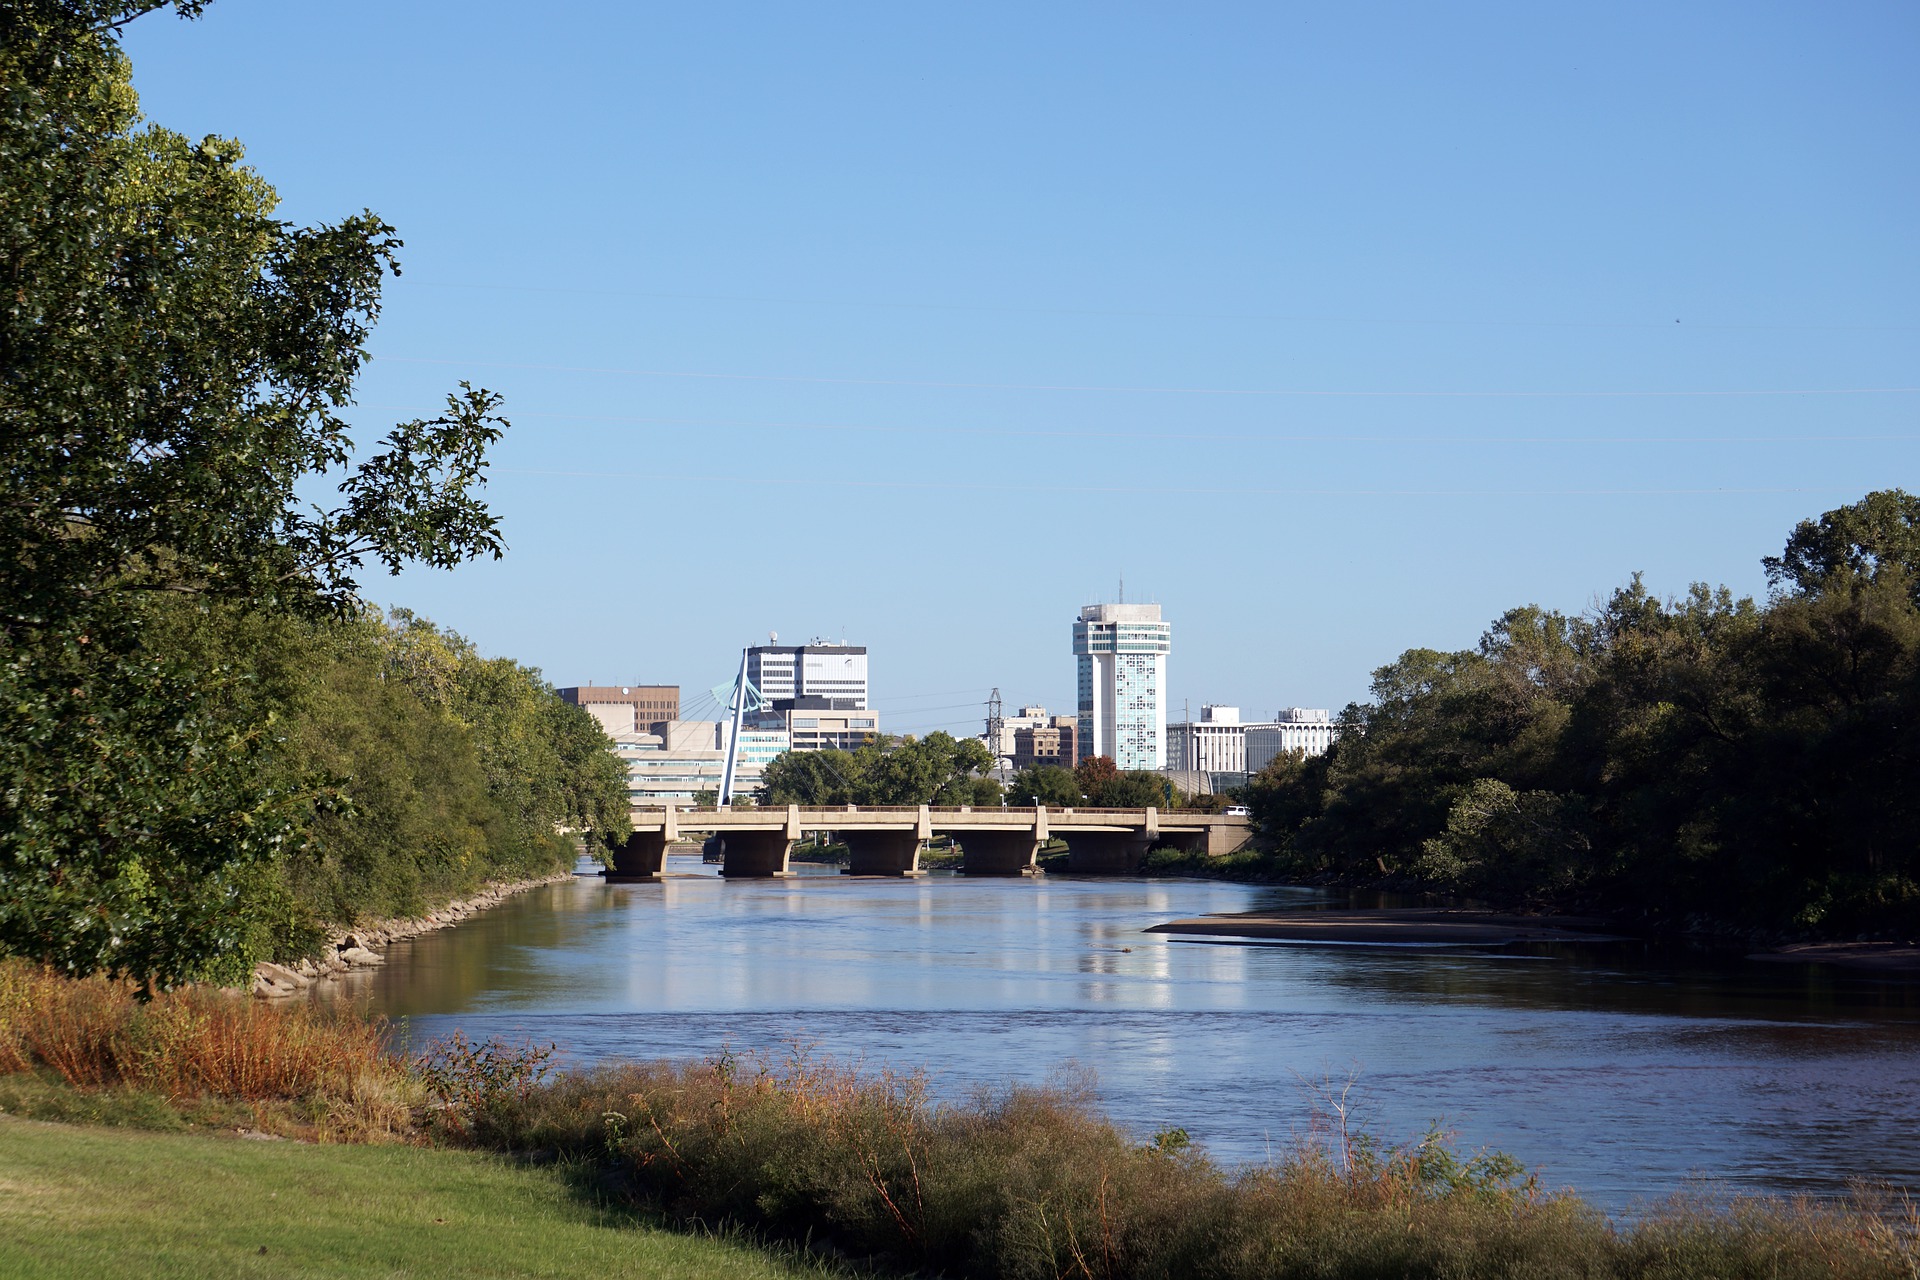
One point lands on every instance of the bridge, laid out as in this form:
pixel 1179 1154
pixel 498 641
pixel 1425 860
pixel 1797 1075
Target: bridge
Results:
pixel 887 840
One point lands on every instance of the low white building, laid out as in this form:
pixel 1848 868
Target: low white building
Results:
pixel 1219 742
pixel 1215 743
pixel 1294 729
pixel 691 756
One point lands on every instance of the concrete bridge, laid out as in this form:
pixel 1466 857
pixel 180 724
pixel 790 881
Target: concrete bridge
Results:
pixel 887 840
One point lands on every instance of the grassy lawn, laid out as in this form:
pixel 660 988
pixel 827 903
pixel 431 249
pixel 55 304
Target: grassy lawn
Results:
pixel 106 1203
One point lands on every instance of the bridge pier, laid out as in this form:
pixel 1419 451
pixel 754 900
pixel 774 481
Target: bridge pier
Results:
pixel 882 853
pixel 1106 853
pixel 999 853
pixel 641 858
pixel 754 854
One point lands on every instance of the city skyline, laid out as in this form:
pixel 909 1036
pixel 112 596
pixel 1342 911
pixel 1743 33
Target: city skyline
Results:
pixel 979 324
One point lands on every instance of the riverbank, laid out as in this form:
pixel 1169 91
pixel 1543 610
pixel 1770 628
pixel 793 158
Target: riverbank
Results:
pixel 1900 959
pixel 1889 957
pixel 363 946
pixel 841 1163
pixel 1438 926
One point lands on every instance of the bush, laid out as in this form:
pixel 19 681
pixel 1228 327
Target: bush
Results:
pixel 1032 1182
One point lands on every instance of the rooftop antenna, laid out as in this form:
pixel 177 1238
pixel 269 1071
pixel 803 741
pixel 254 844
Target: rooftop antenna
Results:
pixel 1123 589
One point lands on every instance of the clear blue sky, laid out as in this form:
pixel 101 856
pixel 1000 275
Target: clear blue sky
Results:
pixel 1336 329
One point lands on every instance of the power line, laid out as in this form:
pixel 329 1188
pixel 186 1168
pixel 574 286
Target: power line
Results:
pixel 1148 314
pixel 1170 490
pixel 751 424
pixel 1302 392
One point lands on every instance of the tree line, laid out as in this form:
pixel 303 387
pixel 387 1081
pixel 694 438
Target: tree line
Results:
pixel 210 747
pixel 1704 759
pixel 940 769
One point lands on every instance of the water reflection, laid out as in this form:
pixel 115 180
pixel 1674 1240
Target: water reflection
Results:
pixel 1619 1069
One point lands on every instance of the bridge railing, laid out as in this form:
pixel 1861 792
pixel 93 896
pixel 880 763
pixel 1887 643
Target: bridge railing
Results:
pixel 827 809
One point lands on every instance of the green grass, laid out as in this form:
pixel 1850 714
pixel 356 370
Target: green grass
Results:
pixel 104 1203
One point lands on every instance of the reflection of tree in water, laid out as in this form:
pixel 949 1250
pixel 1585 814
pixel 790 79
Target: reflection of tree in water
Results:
pixel 1627 978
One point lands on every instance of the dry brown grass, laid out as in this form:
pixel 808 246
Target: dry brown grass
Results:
pixel 94 1033
pixel 1034 1183
pixel 1023 1182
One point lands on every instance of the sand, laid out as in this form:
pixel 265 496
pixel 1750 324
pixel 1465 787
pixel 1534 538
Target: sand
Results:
pixel 1429 925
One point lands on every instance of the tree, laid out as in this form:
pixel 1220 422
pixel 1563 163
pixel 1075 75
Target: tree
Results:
pixel 937 769
pixel 810 778
pixel 1046 784
pixel 174 362
pixel 1093 774
pixel 1878 534
pixel 1136 789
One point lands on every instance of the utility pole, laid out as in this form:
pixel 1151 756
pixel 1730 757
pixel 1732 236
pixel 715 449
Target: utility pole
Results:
pixel 996 725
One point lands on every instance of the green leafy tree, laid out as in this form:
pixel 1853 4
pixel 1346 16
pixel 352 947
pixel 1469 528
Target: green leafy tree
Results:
pixel 1526 845
pixel 1047 784
pixel 1880 534
pixel 829 777
pixel 1701 756
pixel 174 363
pixel 937 769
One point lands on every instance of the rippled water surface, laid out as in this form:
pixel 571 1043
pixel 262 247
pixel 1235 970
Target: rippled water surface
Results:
pixel 1608 1068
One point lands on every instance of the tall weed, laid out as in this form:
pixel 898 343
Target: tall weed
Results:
pixel 93 1032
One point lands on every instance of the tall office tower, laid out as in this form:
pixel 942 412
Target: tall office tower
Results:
pixel 836 672
pixel 1122 652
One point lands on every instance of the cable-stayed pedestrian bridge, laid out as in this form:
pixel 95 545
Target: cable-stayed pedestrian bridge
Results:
pixel 886 840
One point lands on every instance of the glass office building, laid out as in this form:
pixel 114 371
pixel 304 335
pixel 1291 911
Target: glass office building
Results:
pixel 1122 654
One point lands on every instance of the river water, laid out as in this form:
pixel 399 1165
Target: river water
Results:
pixel 1611 1068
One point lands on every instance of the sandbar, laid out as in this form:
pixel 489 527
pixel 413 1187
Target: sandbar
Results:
pixel 1396 925
pixel 1881 957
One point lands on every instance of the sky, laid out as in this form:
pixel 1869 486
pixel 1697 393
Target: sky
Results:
pixel 1335 330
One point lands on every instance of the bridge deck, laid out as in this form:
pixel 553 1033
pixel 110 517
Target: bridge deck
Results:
pixel 886 840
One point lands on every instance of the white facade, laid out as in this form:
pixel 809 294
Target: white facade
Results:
pixel 1294 729
pixel 815 670
pixel 1122 656
pixel 1215 743
pixel 1219 743
pixel 690 757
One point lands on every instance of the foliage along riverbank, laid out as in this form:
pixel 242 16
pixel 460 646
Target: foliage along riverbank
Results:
pixel 1702 763
pixel 1022 1182
pixel 212 748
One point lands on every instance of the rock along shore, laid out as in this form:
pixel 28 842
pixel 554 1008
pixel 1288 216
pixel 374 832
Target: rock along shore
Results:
pixel 363 945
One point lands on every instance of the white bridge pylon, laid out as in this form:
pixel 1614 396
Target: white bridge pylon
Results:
pixel 738 695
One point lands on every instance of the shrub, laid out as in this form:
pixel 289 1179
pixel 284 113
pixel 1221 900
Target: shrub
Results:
pixel 1032 1182
pixel 94 1032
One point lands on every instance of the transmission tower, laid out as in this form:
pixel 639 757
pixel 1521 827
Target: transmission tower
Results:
pixel 996 725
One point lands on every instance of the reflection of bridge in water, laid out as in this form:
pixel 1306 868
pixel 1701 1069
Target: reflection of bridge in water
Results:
pixel 887 840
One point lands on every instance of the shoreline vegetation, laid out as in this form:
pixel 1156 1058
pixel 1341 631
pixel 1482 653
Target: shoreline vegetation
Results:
pixel 843 1168
pixel 1700 765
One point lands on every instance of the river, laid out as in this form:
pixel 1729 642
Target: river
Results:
pixel 1617 1069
